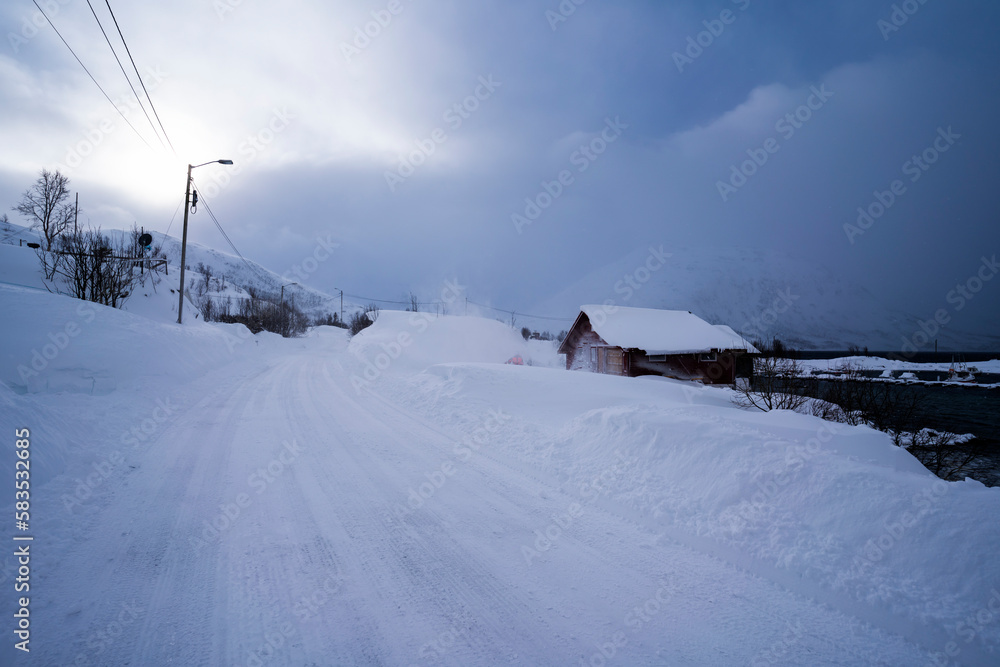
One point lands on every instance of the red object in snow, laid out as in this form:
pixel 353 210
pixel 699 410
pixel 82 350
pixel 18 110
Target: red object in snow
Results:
pixel 516 360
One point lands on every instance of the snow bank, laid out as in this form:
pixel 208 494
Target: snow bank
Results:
pixel 59 353
pixel 407 343
pixel 834 512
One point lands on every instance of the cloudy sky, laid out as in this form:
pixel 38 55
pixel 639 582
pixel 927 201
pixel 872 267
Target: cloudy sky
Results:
pixel 420 136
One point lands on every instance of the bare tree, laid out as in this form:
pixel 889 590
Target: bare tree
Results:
pixel 951 457
pixel 92 267
pixel 44 205
pixel 775 385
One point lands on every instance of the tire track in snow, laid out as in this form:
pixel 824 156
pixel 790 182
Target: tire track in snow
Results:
pixel 143 560
pixel 432 571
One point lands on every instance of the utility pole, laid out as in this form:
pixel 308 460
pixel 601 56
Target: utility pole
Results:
pixel 283 294
pixel 184 243
pixel 184 236
pixel 341 306
pixel 76 213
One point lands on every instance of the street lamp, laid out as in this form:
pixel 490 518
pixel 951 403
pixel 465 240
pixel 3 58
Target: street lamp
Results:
pixel 184 237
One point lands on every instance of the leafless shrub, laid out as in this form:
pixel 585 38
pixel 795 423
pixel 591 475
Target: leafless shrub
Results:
pixel 88 265
pixel 949 456
pixel 364 319
pixel 776 385
pixel 285 319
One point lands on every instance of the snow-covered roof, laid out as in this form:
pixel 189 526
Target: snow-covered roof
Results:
pixel 739 342
pixel 661 331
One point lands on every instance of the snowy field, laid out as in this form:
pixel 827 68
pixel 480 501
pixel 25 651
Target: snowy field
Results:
pixel 202 496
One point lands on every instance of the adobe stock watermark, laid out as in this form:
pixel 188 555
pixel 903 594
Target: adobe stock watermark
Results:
pixel 777 652
pixel 959 297
pixel 898 17
pixel 307 607
pixel 259 481
pixel 753 511
pixel 637 279
pixel 714 28
pixel 562 12
pixel 445 642
pixel 582 158
pixel 757 326
pixel 276 638
pixel 95 136
pixel 638 617
pixel 418 322
pixel 103 638
pixel 914 168
pixel 224 7
pixel 462 453
pixel 58 341
pixel 33 22
pixel 968 629
pixel 786 127
pixel 281 635
pixel 875 549
pixel 365 34
pixel 322 251
pixel 632 283
pixel 249 150
pixel 454 116
pixel 132 440
pixel 601 485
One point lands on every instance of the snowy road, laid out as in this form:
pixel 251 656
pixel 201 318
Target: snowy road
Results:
pixel 271 524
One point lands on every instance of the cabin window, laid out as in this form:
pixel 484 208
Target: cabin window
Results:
pixel 707 356
pixel 593 355
pixel 657 357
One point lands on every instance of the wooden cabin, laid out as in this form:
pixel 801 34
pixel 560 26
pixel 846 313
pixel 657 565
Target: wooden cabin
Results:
pixel 644 341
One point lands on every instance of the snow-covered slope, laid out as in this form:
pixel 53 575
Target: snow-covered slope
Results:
pixel 239 276
pixel 761 294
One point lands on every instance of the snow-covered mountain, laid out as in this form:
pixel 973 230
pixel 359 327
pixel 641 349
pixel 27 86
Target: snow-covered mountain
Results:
pixel 762 294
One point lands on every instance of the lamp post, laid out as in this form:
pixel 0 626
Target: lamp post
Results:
pixel 184 236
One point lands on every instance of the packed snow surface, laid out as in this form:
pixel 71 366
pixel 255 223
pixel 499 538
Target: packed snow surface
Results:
pixel 202 496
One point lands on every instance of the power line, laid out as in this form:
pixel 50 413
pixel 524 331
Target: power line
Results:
pixel 228 240
pixel 172 218
pixel 122 68
pixel 106 96
pixel 443 303
pixel 139 76
pixel 402 303
pixel 514 312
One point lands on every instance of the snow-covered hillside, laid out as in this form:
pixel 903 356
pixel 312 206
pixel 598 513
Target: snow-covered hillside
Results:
pixel 232 276
pixel 761 294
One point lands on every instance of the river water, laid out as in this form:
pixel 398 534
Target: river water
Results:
pixel 960 408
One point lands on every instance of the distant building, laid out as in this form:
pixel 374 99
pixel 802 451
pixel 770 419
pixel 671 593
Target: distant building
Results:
pixel 643 341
